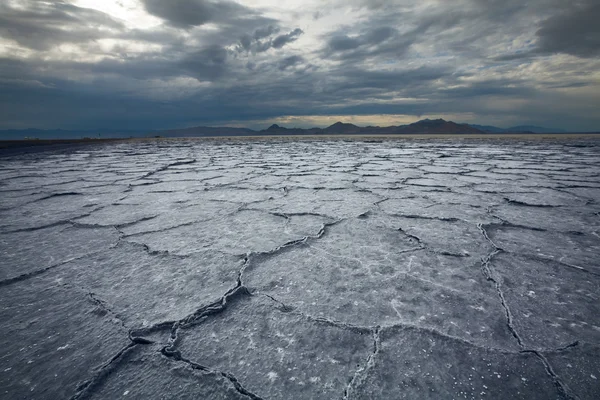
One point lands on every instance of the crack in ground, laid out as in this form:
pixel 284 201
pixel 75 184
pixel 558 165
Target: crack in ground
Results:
pixel 166 167
pixel 165 253
pixel 483 231
pixel 176 355
pixel 487 272
pixel 425 247
pixel 198 316
pixel 84 390
pixel 289 244
pixel 183 224
pixel 76 224
pixel 361 373
pixel 35 273
pixel 285 215
pixel 415 216
pixel 560 386
pixel 220 305
pixel 558 262
pixel 51 225
pixel 508 224
pixel 567 347
pixel 285 308
pixel 60 194
pixel 360 329
pixel 102 305
pixel 525 204
pixel 413 237
pixel 61 222
pixel 532 256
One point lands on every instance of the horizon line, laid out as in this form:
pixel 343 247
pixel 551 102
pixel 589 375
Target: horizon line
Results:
pixel 281 126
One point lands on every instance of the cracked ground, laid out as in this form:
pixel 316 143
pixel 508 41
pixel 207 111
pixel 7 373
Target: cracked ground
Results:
pixel 301 270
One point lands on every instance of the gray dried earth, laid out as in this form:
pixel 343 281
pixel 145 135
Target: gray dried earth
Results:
pixel 301 270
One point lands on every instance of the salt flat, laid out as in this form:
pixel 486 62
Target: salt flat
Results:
pixel 301 270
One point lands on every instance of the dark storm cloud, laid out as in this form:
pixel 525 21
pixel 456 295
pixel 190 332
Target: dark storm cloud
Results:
pixel 296 95
pixel 576 30
pixel 379 35
pixel 266 31
pixel 572 29
pixel 40 25
pixel 290 62
pixel 206 64
pixel 280 95
pixel 377 41
pixel 372 37
pixel 43 26
pixel 262 39
pixel 498 88
pixel 376 80
pixel 230 22
pixel 189 13
pixel 246 42
pixel 393 28
pixel 282 40
pixel 342 43
pixel 397 58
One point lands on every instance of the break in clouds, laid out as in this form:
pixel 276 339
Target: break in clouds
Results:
pixel 164 64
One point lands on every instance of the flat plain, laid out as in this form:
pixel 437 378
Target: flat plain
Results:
pixel 312 269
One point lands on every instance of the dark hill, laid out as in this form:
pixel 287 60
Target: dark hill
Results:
pixel 438 126
pixel 342 128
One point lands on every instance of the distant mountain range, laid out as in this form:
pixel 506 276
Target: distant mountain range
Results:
pixel 517 129
pixel 48 134
pixel 426 126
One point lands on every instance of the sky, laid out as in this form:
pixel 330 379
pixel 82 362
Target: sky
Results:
pixel 160 64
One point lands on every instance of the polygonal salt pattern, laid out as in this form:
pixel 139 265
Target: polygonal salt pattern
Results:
pixel 317 269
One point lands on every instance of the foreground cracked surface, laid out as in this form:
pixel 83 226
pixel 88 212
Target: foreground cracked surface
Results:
pixel 304 270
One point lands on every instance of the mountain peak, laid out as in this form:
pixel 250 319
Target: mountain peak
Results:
pixel 274 127
pixel 428 121
pixel 437 126
pixel 341 126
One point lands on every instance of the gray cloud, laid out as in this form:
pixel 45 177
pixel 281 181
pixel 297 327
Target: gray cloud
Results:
pixel 282 40
pixel 262 39
pixel 266 31
pixel 383 41
pixel 206 64
pixel 41 25
pixel 231 23
pixel 439 57
pixel 371 37
pixel 290 62
pixel 342 43
pixel 394 27
pixel 189 13
pixel 569 28
pixel 391 80
pixel 575 30
pixel 379 35
pixel 462 27
pixel 246 42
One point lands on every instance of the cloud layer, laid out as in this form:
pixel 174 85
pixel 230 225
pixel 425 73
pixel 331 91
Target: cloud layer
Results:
pixel 153 64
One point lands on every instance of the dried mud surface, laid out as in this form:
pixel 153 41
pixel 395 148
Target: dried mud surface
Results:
pixel 301 270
